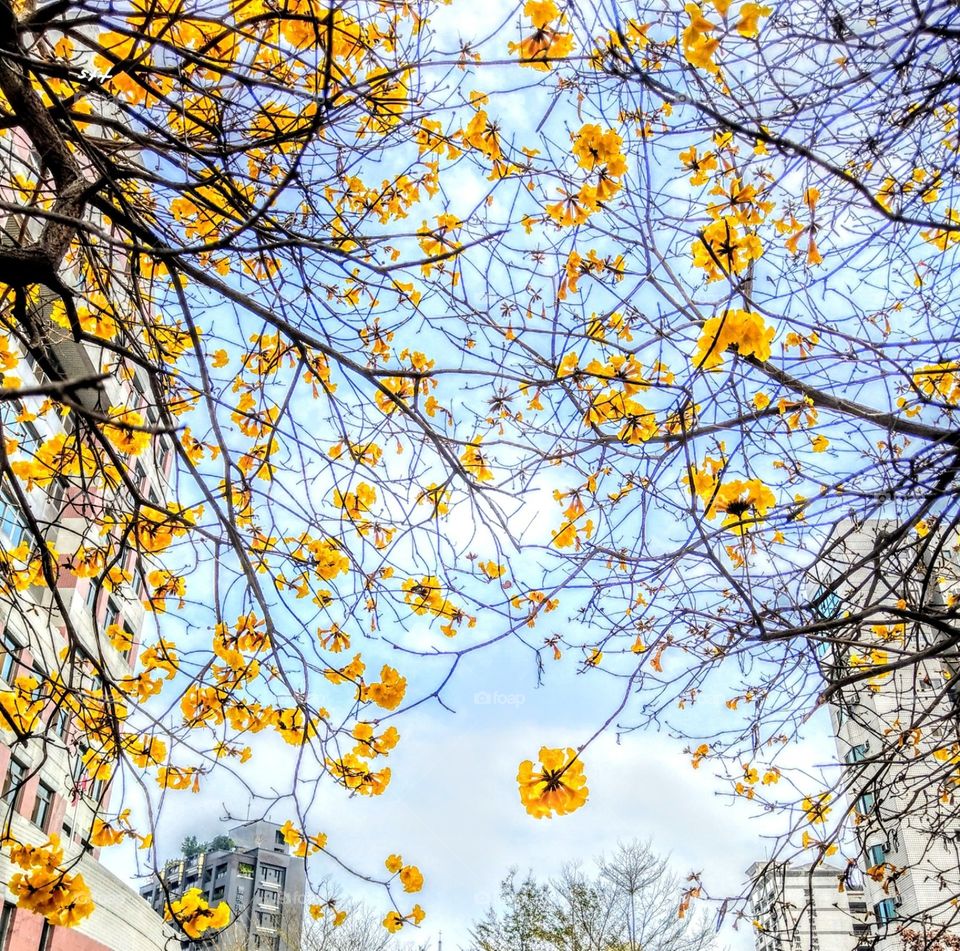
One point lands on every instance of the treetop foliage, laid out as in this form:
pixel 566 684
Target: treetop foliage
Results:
pixel 323 323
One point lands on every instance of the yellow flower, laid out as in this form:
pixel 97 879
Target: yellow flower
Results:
pixel 389 692
pixel 104 834
pixel 475 462
pixel 192 913
pixel 745 330
pixel 128 440
pixel 817 807
pixel 411 878
pixel 743 503
pixel 45 887
pixel 547 42
pixel 700 166
pixel 594 147
pixel 558 786
pixel 750 13
pixel 724 247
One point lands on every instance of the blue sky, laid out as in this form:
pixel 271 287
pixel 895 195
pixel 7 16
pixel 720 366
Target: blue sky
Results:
pixel 453 808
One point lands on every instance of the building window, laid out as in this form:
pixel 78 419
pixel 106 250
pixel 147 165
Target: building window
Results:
pixel 218 893
pixel 67 832
pixel 268 919
pixel 272 874
pixel 164 456
pixel 6 924
pixel 221 873
pixel 269 897
pixel 57 492
pixel 857 754
pixel 885 910
pixel 42 806
pixel 9 653
pixel 245 870
pixel 46 937
pixel 866 802
pixel 92 788
pixel 13 783
pixel 876 855
pixel 11 520
pixel 827 606
pixel 278 838
pixel 61 722
pixel 112 613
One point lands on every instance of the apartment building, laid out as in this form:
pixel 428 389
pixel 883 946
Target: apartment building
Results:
pixel 895 730
pixel 45 787
pixel 259 879
pixel 808 908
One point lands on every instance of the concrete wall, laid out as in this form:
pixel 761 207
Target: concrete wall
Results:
pixel 121 920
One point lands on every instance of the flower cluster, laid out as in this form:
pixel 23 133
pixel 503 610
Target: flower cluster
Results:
pixel 599 152
pixel 743 329
pixel 549 41
pixel 394 921
pixel 409 875
pixel 743 502
pixel 558 786
pixel 44 887
pixel 192 913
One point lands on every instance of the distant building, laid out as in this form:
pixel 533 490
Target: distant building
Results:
pixel 259 879
pixel 798 908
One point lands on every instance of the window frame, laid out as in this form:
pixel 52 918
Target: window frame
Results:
pixel 9 506
pixel 7 916
pixel 14 787
pixel 876 854
pixel 856 754
pixel 866 802
pixel 11 649
pixel 885 911
pixel 40 821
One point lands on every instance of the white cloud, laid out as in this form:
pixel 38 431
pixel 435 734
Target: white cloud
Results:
pixel 453 807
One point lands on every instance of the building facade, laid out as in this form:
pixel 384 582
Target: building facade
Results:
pixel 896 727
pixel 70 636
pixel 75 632
pixel 260 880
pixel 808 908
pixel 79 626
